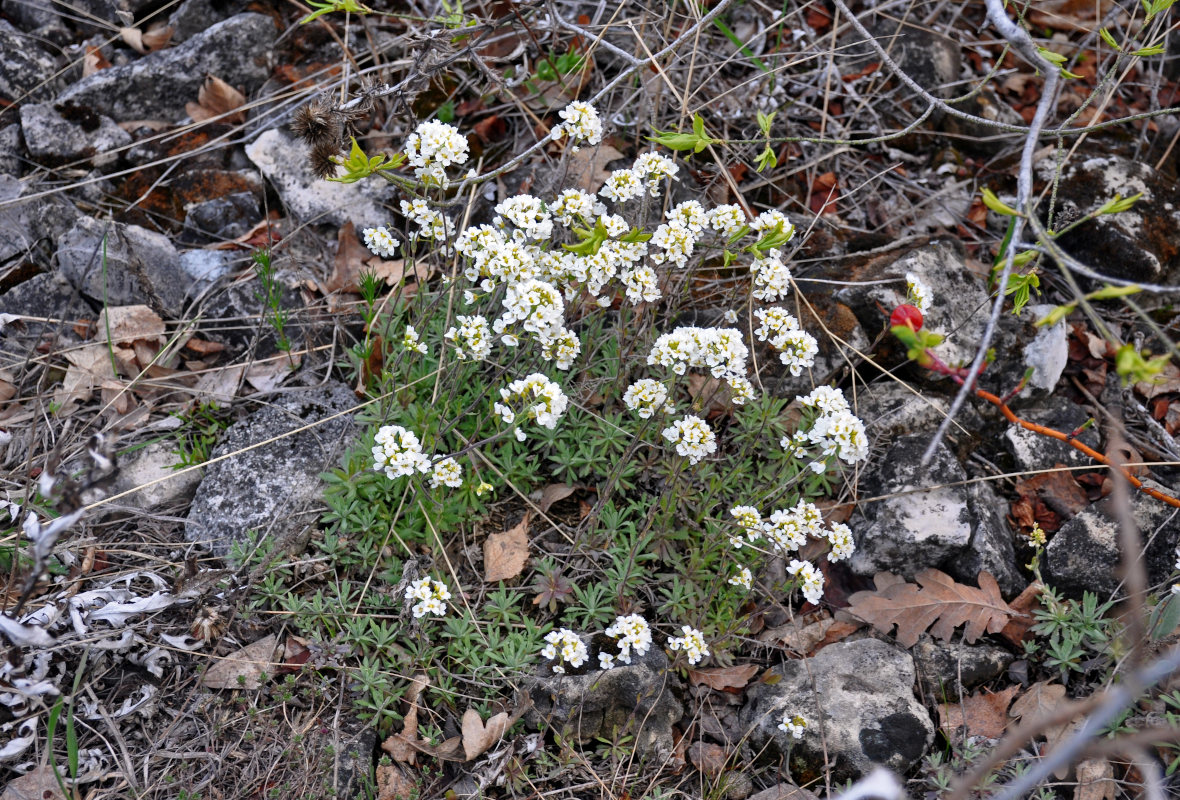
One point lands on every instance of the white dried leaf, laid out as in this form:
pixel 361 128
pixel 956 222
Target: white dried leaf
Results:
pixel 182 642
pixel 45 616
pixel 21 743
pixel 25 635
pixel 118 613
pixel 153 660
pixel 124 642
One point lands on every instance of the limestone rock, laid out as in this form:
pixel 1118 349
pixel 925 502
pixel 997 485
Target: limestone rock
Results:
pixel 863 697
pixel 64 133
pixel 26 70
pixel 264 489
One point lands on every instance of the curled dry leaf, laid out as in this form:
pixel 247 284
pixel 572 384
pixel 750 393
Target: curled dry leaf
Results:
pixel 1095 778
pixel 938 604
pixel 708 758
pixel 243 669
pixel 505 554
pixel 1041 700
pixel 479 737
pixel 553 493
pixel 217 98
pixel 984 714
pixel 722 678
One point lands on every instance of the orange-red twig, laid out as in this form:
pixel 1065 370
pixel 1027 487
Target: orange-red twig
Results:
pixel 1075 444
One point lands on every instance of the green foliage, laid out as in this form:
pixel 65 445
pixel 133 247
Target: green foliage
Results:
pixel 359 166
pixel 329 6
pixel 696 141
pixel 271 296
pixel 1080 636
pixel 201 428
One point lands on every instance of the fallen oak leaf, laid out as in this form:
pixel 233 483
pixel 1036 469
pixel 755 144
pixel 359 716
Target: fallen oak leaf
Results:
pixel 984 714
pixel 243 669
pixel 938 603
pixel 505 554
pixel 217 98
pixel 723 678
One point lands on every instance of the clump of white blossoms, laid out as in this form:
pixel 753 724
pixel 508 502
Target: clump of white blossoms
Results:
pixel 652 168
pixel 811 580
pixel 581 123
pixel 431 597
pixel 543 401
pixel 380 241
pixel 411 341
pixel 772 277
pixel 645 397
pixel 621 186
pixel 917 293
pixel 574 205
pixel 446 472
pixel 794 724
pixel 781 330
pixel 565 647
pixel 532 220
pixel 472 338
pixel 692 643
pixel 634 636
pixel 398 452
pixel 840 537
pixel 431 224
pixel 743 578
pixel 433 147
pixel 693 438
pixel 719 350
pixel 750 521
pixel 727 219
pixel 836 431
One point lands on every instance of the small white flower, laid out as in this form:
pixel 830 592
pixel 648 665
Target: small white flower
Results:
pixel 410 341
pixel 565 647
pixel 692 643
pixel 730 316
pixel 446 472
pixel 398 452
pixel 582 123
pixel 917 292
pixel 606 661
pixel 794 724
pixel 645 397
pixel 431 596
pixel 693 438
pixel 380 241
pixel 743 578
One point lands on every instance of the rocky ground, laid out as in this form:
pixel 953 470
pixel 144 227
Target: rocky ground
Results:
pixel 146 158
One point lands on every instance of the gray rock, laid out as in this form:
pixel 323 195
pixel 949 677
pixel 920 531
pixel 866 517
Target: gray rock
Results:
pixel 206 267
pixel 1084 554
pixel 785 791
pixel 53 138
pixel 947 671
pixel 26 70
pixel 148 465
pixel 283 160
pixel 10 151
pixel 979 137
pixel 1047 353
pixel 266 488
pixel 638 699
pixel 30 15
pixel 1031 451
pixel 918 529
pixel 221 218
pixel 158 85
pixel 141 266
pixel 991 548
pixel 890 409
pixel 193 16
pixel 1136 245
pixel 862 695
pixel 44 296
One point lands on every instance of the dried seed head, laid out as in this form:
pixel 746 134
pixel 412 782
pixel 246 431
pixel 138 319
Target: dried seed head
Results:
pixel 317 122
pixel 321 156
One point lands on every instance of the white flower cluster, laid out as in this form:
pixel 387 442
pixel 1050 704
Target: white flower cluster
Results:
pixel 622 185
pixel 446 472
pixel 431 224
pixel 917 293
pixel 412 342
pixel 634 635
pixel 646 175
pixel 811 580
pixel 836 431
pixel 772 277
pixel 575 206
pixel 431 597
pixel 536 305
pixel 727 219
pixel 472 337
pixel 646 396
pixel 433 147
pixel 693 438
pixel 794 724
pixel 743 578
pixel 528 214
pixel 719 350
pixel 581 124
pixel 380 241
pixel 565 647
pixel 398 452
pixel 787 530
pixel 798 347
pixel 543 401
pixel 642 285
pixel 692 643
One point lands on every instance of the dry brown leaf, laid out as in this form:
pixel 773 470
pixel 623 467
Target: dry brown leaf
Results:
pixel 404 746
pixel 157 37
pixel 243 669
pixel 478 738
pixel 505 554
pixel 90 366
pixel 393 785
pixel 7 386
pixel 1041 700
pixel 1017 628
pixel 797 638
pixel 93 61
pixel 722 678
pixel 267 375
pixel 136 335
pixel 219 385
pixel 349 263
pixel 984 714
pixel 588 167
pixel 38 784
pixel 940 605
pixel 707 757
pixel 1095 778
pixel 554 493
pixel 215 98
